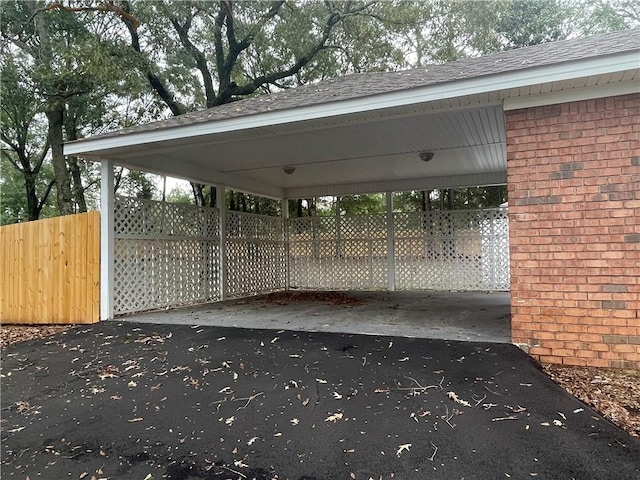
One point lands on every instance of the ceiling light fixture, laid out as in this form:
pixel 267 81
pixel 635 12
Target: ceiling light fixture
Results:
pixel 288 170
pixel 426 156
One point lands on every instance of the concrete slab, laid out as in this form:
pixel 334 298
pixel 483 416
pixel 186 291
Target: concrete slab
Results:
pixel 464 316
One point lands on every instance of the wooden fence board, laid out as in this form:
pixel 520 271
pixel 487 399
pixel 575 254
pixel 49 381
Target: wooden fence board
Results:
pixel 50 270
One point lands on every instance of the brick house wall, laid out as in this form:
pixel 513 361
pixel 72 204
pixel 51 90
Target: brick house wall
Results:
pixel 574 210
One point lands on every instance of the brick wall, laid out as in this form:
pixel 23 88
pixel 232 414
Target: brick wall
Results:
pixel 574 209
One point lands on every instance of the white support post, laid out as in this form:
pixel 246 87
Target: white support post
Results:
pixel 285 226
pixel 222 228
pixel 391 254
pixel 107 234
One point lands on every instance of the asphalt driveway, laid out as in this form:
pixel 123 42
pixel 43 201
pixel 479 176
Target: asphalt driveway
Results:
pixel 143 401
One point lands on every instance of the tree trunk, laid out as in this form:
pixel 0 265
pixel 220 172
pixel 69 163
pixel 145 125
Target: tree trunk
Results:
pixel 72 161
pixel 212 196
pixel 55 117
pixel 198 193
pixel 299 208
pixel 78 189
pixel 33 205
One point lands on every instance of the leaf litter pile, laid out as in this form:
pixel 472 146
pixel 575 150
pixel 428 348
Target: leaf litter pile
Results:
pixel 147 402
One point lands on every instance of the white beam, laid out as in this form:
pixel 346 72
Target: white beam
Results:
pixel 391 250
pixel 106 240
pixel 425 183
pixel 285 225
pixel 222 229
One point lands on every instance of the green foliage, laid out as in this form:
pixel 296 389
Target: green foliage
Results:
pixel 134 183
pixel 13 200
pixel 179 195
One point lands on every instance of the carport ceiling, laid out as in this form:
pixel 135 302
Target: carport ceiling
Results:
pixel 365 132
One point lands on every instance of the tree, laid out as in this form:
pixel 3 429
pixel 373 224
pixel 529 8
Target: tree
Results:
pixel 70 71
pixel 24 145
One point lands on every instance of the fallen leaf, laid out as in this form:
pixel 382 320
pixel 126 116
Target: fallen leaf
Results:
pixel 252 441
pixel 239 464
pixel 294 421
pixel 337 396
pixel 453 396
pixel 334 417
pixel 229 421
pixel 137 419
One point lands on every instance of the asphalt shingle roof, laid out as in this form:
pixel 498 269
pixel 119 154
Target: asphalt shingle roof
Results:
pixel 359 85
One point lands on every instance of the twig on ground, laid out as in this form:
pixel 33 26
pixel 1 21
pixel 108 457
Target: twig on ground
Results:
pixel 420 389
pixel 448 417
pixel 499 419
pixel 231 470
pixel 248 399
pixel 478 402
pixel 435 450
pixel 491 391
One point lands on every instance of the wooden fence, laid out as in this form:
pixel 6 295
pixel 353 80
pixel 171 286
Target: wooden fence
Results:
pixel 50 270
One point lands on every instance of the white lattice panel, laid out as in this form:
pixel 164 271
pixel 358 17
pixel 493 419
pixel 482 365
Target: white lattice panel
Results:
pixel 165 255
pixel 338 252
pixel 441 250
pixel 256 254
pixel 135 217
pixel 452 250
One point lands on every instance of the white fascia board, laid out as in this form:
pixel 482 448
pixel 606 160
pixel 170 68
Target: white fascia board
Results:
pixel 584 93
pixel 426 183
pixel 476 85
pixel 192 173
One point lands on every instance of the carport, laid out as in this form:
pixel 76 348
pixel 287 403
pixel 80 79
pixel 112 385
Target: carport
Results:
pixel 442 126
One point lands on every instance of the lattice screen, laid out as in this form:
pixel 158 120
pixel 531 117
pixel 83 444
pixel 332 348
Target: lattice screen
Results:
pixel 452 250
pixel 256 254
pixel 168 254
pixel 165 254
pixel 338 252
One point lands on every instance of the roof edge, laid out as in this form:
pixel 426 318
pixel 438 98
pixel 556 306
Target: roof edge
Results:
pixel 609 63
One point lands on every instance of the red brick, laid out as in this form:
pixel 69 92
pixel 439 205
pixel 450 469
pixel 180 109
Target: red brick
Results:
pixel 575 265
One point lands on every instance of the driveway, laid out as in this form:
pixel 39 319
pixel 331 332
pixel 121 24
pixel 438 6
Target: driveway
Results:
pixel 122 400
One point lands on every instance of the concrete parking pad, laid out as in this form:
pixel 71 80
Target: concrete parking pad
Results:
pixel 121 400
pixel 467 316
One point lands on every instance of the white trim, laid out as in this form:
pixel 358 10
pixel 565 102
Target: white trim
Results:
pixel 586 93
pixel 107 235
pixel 426 183
pixel 488 83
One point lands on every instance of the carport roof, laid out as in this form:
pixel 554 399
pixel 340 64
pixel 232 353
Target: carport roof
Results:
pixel 363 132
